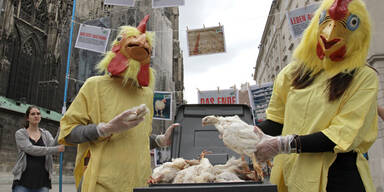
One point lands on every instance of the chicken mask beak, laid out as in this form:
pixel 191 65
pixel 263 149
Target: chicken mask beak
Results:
pixel 332 40
pixel 334 30
pixel 136 47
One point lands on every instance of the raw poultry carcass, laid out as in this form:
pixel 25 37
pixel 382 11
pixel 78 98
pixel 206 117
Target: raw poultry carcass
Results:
pixel 167 171
pixel 238 167
pixel 232 170
pixel 203 172
pixel 238 136
pixel 160 106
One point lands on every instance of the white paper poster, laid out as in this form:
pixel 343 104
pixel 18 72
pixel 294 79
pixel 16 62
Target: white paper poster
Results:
pixel 167 3
pixel 128 3
pixel 162 105
pixel 300 18
pixel 206 41
pixel 225 96
pixel 92 38
pixel 259 97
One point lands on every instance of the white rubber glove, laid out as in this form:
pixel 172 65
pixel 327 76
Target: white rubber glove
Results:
pixel 270 146
pixel 126 120
pixel 165 140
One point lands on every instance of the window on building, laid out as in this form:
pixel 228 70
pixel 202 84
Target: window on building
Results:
pixel 285 57
pixel 291 46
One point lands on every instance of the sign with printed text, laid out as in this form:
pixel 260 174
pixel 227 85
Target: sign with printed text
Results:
pixel 225 96
pixel 92 38
pixel 206 41
pixel 300 18
pixel 259 95
pixel 167 3
pixel 128 3
pixel 162 105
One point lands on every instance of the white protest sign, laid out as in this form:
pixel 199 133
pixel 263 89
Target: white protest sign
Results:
pixel 206 41
pixel 128 3
pixel 167 3
pixel 300 18
pixel 92 38
pixel 162 105
pixel 259 97
pixel 225 96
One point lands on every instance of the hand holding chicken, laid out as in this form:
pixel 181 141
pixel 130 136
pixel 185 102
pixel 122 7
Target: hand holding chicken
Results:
pixel 270 146
pixel 165 139
pixel 124 121
pixel 238 136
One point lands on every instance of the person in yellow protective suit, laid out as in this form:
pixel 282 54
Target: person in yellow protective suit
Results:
pixel 111 118
pixel 324 106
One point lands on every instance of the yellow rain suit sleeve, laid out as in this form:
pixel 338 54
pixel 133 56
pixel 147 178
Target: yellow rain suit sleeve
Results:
pixel 350 122
pixel 281 86
pixel 122 161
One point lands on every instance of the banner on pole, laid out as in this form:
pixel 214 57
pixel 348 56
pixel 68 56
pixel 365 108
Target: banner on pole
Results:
pixel 225 96
pixel 300 18
pixel 128 3
pixel 167 3
pixel 206 41
pixel 92 38
pixel 162 105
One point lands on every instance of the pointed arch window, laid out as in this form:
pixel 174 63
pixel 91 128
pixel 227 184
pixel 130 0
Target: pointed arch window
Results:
pixel 24 73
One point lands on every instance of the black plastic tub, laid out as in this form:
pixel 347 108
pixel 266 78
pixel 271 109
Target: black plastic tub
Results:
pixel 210 187
pixel 190 139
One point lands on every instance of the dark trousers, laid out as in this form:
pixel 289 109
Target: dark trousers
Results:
pixel 343 174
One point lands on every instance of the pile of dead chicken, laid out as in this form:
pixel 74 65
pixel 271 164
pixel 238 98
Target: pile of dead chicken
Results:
pixel 202 171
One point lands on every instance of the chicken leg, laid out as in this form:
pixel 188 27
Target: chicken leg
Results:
pixel 257 167
pixel 203 153
pixel 154 180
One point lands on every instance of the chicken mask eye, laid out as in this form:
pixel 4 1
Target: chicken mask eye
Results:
pixel 322 16
pixel 119 38
pixel 353 22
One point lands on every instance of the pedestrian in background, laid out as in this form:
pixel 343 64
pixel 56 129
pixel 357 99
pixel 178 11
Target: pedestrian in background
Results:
pixel 35 145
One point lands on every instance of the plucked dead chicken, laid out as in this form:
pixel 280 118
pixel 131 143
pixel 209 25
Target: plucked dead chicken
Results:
pixel 202 172
pixel 238 136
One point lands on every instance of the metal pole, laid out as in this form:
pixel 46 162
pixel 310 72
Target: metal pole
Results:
pixel 64 109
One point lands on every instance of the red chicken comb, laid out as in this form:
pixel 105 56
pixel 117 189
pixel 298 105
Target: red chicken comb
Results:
pixel 143 24
pixel 339 9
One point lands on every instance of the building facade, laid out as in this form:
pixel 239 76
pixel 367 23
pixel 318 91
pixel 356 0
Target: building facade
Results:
pixel 277 46
pixel 34 38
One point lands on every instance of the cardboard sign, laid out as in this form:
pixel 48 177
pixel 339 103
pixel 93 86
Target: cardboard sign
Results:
pixel 299 19
pixel 206 41
pixel 225 96
pixel 167 3
pixel 162 105
pixel 127 3
pixel 92 38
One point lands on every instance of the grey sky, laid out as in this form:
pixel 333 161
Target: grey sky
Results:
pixel 243 22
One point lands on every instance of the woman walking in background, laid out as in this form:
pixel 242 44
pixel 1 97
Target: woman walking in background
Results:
pixel 33 169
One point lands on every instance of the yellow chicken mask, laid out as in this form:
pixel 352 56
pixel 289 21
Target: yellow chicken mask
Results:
pixel 337 39
pixel 130 56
